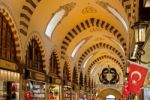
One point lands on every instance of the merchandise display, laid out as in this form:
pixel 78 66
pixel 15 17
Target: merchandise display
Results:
pixel 35 90
pixel 53 92
pixel 9 85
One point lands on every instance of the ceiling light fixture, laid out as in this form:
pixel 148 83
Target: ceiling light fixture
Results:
pixel 140 29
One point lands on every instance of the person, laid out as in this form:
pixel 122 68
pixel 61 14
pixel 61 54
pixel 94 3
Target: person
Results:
pixel 51 97
pixel 13 96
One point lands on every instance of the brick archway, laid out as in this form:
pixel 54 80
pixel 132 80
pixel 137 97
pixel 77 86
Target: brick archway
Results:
pixel 110 91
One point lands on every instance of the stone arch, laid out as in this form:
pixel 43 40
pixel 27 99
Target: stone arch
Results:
pixel 26 14
pixel 40 43
pixel 58 60
pixel 66 64
pixel 109 91
pixel 7 14
pixel 105 57
pixel 88 23
pixel 101 45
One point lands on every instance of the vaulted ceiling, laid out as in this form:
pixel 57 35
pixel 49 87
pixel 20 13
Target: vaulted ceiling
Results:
pixel 101 25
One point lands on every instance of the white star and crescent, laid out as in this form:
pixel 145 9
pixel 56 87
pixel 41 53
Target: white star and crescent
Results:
pixel 136 73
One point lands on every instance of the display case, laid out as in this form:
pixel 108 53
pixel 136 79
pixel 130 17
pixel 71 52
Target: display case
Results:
pixel 9 90
pixel 53 92
pixel 36 90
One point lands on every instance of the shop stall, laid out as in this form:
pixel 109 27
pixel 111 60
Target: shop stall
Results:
pixel 67 92
pixel 54 88
pixel 35 85
pixel 9 85
pixel 53 92
pixel 35 90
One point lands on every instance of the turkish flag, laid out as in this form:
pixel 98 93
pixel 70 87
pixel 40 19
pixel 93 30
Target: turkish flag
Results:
pixel 136 77
pixel 125 91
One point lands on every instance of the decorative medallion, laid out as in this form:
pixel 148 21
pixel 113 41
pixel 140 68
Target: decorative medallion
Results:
pixel 109 76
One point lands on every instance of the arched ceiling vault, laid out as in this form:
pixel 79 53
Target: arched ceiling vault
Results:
pixel 101 49
pixel 101 58
pixel 91 23
pixel 98 46
pixel 96 21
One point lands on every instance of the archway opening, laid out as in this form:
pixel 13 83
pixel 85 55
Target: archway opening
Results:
pixel 110 97
pixel 109 94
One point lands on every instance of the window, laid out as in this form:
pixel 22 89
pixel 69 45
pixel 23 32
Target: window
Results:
pixel 7 42
pixel 147 4
pixel 146 93
pixel 34 57
pixel 93 69
pixel 53 66
pixel 116 14
pixel 110 97
pixel 77 48
pixel 87 61
pixel 114 41
pixel 53 22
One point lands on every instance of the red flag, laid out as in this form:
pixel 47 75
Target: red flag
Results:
pixel 136 77
pixel 125 90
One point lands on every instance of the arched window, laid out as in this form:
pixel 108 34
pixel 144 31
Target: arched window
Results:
pixel 110 97
pixel 7 42
pixel 81 79
pixel 53 64
pixel 54 22
pixel 65 74
pixel 34 57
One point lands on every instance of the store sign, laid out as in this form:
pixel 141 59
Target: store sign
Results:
pixel 40 77
pixel 8 65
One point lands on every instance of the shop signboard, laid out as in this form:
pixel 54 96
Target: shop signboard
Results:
pixel 35 75
pixel 8 65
